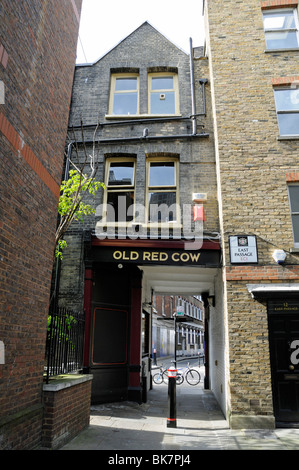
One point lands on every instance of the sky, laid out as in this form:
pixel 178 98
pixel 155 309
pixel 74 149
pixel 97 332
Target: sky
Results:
pixel 104 24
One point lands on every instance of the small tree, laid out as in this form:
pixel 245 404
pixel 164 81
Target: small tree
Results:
pixel 71 205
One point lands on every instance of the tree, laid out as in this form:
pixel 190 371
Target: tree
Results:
pixel 71 205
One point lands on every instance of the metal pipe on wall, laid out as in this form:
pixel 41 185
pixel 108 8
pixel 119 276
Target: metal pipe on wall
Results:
pixel 192 89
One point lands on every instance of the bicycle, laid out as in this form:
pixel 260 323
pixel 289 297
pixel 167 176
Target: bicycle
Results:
pixel 192 376
pixel 161 376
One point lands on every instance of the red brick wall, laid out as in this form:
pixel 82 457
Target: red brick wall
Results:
pixel 37 58
pixel 66 413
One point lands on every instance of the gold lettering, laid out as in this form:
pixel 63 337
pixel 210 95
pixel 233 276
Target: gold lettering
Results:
pixel 194 256
pixel 185 257
pixel 155 256
pixel 175 257
pixel 146 256
pixel 163 256
pixel 134 255
pixel 117 255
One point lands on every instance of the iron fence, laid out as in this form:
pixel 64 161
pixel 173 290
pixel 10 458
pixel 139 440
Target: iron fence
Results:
pixel 65 342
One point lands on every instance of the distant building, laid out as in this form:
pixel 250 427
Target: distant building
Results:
pixel 190 333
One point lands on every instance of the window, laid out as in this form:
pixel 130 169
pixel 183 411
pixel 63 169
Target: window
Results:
pixel 281 29
pixel 287 108
pixel 163 93
pixel 162 191
pixel 124 95
pixel 294 204
pixel 120 189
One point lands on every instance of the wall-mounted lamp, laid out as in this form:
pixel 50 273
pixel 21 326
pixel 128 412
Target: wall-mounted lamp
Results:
pixel 279 256
pixel 211 300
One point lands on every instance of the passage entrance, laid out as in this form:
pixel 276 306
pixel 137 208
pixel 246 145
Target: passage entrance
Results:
pixel 284 350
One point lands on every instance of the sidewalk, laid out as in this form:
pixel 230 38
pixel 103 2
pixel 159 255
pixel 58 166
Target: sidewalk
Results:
pixel 200 426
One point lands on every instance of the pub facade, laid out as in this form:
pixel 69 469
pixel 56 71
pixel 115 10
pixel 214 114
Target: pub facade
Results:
pixel 142 108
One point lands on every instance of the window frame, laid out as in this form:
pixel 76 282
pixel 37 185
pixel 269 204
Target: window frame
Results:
pixel 162 189
pixel 292 213
pixel 282 30
pixel 175 89
pixel 118 189
pixel 113 91
pixel 280 112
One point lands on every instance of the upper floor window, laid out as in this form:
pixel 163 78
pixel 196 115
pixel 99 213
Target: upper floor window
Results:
pixel 281 28
pixel 294 203
pixel 120 189
pixel 163 93
pixel 162 190
pixel 124 94
pixel 287 108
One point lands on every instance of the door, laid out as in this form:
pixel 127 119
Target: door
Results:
pixel 283 319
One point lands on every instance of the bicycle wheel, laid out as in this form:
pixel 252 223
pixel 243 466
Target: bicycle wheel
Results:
pixel 158 378
pixel 165 377
pixel 179 379
pixel 193 377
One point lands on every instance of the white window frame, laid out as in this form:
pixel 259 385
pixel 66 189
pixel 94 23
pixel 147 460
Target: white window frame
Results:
pixel 296 244
pixel 282 30
pixel 113 92
pixel 118 189
pixel 280 112
pixel 162 92
pixel 162 189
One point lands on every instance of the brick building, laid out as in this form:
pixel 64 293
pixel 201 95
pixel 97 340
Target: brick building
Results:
pixel 37 57
pixel 144 101
pixel 190 333
pixel 242 166
pixel 252 49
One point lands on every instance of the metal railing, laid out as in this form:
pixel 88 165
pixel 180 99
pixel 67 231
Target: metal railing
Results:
pixel 65 342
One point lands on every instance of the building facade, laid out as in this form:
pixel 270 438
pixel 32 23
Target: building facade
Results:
pixel 189 338
pixel 142 109
pixel 252 49
pixel 37 59
pixel 215 134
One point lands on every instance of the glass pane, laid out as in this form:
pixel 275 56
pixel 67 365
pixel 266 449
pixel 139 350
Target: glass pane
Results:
pixel 125 103
pixel 286 100
pixel 162 174
pixel 121 173
pixel 295 221
pixel 288 124
pixel 118 205
pixel 161 207
pixel 281 39
pixel 162 83
pixel 124 84
pixel 163 103
pixel 294 198
pixel 279 20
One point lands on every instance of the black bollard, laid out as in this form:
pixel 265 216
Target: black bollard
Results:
pixel 171 420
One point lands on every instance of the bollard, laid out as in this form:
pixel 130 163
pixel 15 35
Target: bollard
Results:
pixel 171 420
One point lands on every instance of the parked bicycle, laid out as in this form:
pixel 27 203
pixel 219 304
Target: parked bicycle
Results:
pixel 192 376
pixel 161 376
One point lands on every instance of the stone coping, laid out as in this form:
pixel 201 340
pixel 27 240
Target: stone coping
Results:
pixel 60 382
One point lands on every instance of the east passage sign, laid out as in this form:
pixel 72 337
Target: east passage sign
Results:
pixel 243 249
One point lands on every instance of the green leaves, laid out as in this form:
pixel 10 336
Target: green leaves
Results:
pixel 71 205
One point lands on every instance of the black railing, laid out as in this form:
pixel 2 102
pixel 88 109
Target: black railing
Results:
pixel 65 342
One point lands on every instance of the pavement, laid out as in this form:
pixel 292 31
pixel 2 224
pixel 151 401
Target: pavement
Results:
pixel 200 425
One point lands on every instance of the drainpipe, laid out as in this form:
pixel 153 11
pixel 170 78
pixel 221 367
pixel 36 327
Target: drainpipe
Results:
pixel 192 90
